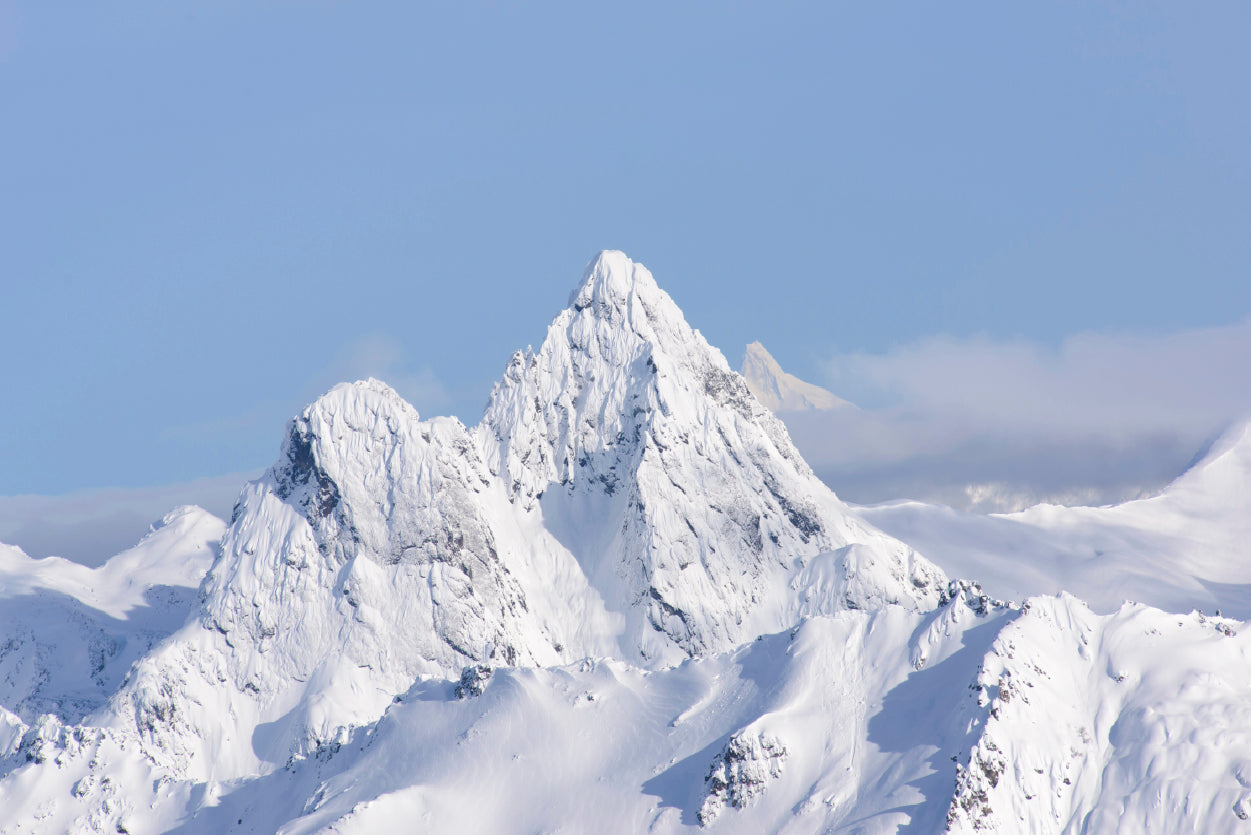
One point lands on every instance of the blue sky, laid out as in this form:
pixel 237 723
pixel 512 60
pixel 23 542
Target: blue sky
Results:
pixel 211 212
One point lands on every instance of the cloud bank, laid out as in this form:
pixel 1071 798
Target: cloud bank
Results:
pixel 993 425
pixel 89 526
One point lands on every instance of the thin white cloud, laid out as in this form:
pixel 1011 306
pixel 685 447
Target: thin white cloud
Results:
pixel 1093 384
pixel 994 425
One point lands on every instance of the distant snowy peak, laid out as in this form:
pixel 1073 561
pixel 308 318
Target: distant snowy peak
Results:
pixel 175 553
pixel 780 391
pixel 1225 471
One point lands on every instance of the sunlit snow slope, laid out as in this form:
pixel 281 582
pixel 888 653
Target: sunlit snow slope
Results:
pixel 1187 548
pixel 621 603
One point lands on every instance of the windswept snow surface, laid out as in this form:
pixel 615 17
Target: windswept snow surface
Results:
pixel 622 603
pixel 1187 548
pixel 780 391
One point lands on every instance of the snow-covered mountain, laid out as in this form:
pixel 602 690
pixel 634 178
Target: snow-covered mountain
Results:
pixel 679 494
pixel 622 602
pixel 780 391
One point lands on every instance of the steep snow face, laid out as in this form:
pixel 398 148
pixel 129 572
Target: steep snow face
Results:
pixel 378 550
pixel 679 493
pixel 69 634
pixel 1185 548
pixel 780 391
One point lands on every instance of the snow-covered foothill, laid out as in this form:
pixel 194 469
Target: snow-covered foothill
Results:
pixel 1137 721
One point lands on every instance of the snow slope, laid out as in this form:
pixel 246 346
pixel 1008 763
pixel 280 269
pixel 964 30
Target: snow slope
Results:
pixel 605 746
pixel 780 391
pixel 1139 721
pixel 1185 548
pixel 623 602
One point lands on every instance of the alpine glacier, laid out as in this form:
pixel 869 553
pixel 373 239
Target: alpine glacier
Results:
pixel 620 603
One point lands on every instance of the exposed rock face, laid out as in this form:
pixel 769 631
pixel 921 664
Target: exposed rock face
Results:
pixel 742 771
pixel 473 681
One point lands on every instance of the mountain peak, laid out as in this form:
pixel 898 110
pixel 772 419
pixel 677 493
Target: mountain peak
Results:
pixel 618 299
pixel 780 391
pixel 608 279
pixel 600 431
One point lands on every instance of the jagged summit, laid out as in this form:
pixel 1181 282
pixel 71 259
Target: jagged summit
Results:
pixel 693 508
pixel 780 391
pixel 619 353
pixel 619 294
